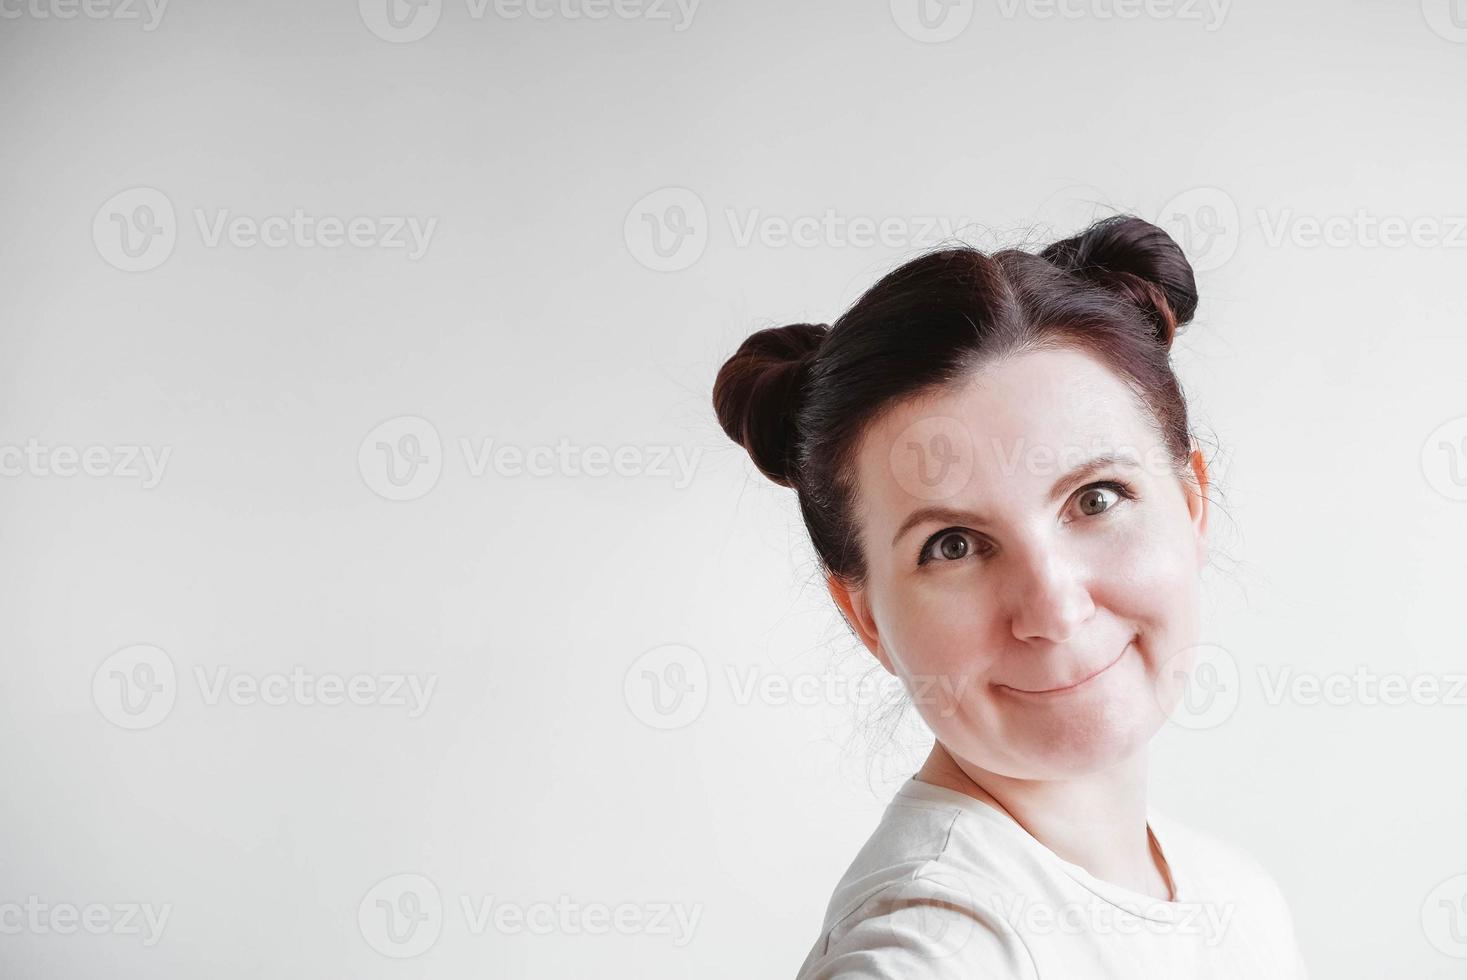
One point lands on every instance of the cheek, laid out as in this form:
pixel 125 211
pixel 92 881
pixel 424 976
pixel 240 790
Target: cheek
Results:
pixel 1155 588
pixel 942 629
pixel 1148 572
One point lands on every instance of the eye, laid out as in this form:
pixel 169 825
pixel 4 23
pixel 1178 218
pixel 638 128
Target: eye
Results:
pixel 955 544
pixel 948 545
pixel 1095 499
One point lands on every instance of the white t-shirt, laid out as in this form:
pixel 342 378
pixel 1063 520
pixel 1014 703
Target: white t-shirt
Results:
pixel 949 886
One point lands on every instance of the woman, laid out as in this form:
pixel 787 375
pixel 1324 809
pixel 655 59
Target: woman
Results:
pixel 993 461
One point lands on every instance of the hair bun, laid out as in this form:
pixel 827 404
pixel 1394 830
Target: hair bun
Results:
pixel 757 394
pixel 1139 261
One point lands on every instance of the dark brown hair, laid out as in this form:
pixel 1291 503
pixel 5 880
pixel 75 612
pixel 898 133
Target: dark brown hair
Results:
pixel 798 397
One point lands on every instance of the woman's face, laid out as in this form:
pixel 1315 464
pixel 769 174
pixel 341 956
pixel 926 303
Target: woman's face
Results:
pixel 1038 614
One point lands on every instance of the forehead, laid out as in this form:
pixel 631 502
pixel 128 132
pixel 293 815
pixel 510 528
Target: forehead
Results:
pixel 1007 432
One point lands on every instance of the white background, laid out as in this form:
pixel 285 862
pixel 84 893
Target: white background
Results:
pixel 541 311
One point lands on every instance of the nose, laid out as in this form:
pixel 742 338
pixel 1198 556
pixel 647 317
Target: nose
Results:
pixel 1050 597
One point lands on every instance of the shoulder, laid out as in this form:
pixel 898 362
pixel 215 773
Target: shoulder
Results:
pixel 915 903
pixel 926 924
pixel 1230 877
pixel 921 835
pixel 1215 865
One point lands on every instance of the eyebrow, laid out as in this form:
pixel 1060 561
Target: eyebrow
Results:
pixel 949 515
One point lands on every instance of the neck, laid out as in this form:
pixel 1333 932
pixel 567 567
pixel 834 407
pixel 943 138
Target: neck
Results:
pixel 1097 821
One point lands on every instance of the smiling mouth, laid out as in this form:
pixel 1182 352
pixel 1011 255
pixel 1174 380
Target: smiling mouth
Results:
pixel 1071 687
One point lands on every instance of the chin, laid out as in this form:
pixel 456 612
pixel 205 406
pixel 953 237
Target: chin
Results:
pixel 1082 738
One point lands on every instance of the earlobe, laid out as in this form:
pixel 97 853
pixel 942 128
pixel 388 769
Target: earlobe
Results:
pixel 1197 502
pixel 856 609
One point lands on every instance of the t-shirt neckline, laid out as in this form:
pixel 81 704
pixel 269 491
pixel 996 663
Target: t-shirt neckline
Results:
pixel 1136 903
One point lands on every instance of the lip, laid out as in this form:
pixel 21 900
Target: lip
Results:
pixel 1057 691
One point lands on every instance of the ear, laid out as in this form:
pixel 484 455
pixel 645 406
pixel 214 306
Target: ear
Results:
pixel 1197 505
pixel 855 606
